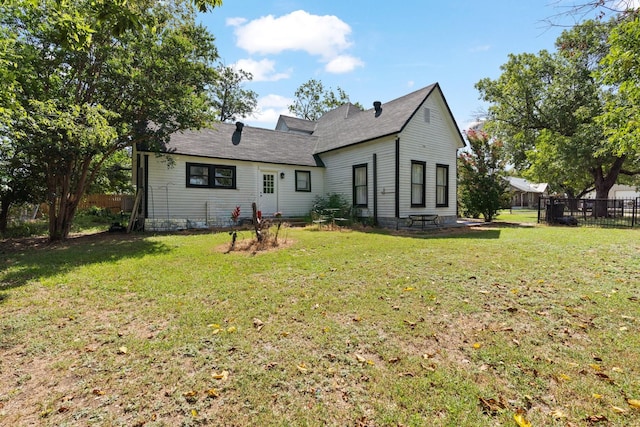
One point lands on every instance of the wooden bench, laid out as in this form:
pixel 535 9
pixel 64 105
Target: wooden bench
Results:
pixel 424 219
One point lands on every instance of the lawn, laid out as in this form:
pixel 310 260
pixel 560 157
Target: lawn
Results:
pixel 495 325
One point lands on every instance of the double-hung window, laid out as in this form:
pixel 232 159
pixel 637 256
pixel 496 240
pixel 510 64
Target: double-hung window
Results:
pixel 418 175
pixel 200 175
pixel 303 181
pixel 442 185
pixel 360 189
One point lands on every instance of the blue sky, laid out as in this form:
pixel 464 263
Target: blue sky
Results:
pixel 378 50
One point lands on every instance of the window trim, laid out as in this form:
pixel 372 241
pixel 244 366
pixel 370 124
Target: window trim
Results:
pixel 365 166
pixel 423 199
pixel 300 189
pixel 445 203
pixel 211 170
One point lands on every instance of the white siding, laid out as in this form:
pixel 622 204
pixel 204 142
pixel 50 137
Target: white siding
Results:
pixel 339 172
pixel 435 143
pixel 169 197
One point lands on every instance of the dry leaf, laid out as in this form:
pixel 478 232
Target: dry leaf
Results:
pixel 597 396
pixel 492 405
pixel 258 324
pixel 360 358
pixel 634 403
pixel 618 409
pixel 302 368
pixel 224 375
pixel 477 345
pixel 521 420
pixel 213 393
pixel 194 413
pixel 122 350
pixel 231 329
pixel 97 392
pixel 557 414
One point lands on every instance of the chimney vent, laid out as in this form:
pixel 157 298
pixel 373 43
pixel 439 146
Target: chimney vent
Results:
pixel 378 107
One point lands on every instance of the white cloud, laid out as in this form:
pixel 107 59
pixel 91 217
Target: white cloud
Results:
pixel 262 71
pixel 343 64
pixel 480 48
pixel 410 83
pixel 270 108
pixel 323 36
pixel 235 22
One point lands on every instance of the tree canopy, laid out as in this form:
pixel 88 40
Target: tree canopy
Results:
pixel 312 100
pixel 88 88
pixel 546 108
pixel 481 186
pixel 230 99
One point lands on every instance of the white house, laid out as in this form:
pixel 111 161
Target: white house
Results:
pixel 392 161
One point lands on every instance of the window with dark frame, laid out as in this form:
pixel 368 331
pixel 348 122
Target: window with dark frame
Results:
pixel 201 175
pixel 442 185
pixel 303 181
pixel 418 177
pixel 360 189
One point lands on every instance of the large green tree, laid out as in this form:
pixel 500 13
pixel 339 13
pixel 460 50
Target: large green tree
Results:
pixel 312 100
pixel 230 99
pixel 91 86
pixel 621 70
pixel 545 108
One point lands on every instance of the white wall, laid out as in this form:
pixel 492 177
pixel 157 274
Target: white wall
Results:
pixel 435 143
pixel 169 198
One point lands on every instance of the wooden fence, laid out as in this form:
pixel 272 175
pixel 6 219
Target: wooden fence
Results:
pixel 113 203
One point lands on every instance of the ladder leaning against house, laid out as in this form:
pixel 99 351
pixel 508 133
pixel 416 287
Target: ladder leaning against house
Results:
pixel 134 211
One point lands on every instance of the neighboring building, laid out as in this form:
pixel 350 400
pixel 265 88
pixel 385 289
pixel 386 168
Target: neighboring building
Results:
pixel 619 191
pixel 396 159
pixel 525 193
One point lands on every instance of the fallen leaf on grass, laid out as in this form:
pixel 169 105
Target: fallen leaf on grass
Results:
pixel 213 393
pixel 597 396
pixel 491 406
pixel 97 392
pixel 594 419
pixel 122 350
pixel 302 368
pixel 618 410
pixel 477 345
pixel 634 403
pixel 521 420
pixel 558 414
pixel 224 375
pixel 190 396
pixel 258 324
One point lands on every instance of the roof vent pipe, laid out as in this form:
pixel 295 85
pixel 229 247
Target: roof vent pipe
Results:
pixel 378 107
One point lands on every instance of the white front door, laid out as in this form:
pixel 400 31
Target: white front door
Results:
pixel 268 187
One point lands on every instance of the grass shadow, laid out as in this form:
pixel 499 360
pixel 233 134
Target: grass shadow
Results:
pixel 23 260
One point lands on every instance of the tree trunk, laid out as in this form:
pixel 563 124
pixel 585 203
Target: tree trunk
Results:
pixel 603 184
pixel 4 215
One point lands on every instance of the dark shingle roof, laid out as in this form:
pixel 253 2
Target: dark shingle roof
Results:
pixel 337 129
pixel 255 144
pixel 341 127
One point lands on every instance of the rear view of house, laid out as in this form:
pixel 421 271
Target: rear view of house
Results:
pixel 394 160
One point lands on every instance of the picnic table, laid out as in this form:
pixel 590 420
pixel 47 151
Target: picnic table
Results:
pixel 424 219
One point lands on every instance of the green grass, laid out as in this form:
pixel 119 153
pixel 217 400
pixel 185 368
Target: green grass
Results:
pixel 358 329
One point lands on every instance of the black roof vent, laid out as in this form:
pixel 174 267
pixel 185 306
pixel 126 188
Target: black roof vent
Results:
pixel 235 138
pixel 378 107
